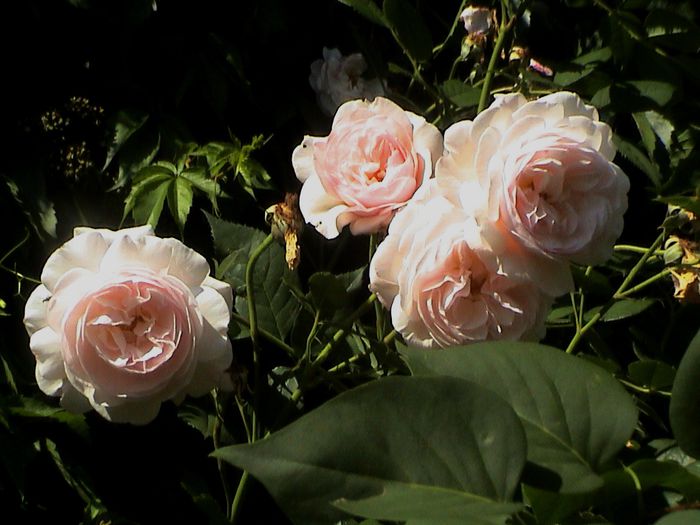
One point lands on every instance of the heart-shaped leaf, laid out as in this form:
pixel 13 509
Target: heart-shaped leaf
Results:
pixel 389 437
pixel 575 414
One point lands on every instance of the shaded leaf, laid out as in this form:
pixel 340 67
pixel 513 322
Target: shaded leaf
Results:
pixel 685 400
pixel 368 9
pixel 125 124
pixel 656 375
pixel 408 29
pixel 426 505
pixel 460 94
pixel 276 306
pixel 387 436
pixel 621 309
pixel 683 517
pixel 237 243
pixel 639 159
pixel 550 391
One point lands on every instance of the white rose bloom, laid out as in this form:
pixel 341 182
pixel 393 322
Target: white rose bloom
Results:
pixel 124 320
pixel 448 281
pixel 543 171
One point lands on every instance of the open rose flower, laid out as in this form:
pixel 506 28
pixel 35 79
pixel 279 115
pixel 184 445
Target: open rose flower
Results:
pixel 124 320
pixel 445 284
pixel 336 79
pixel 376 156
pixel 545 172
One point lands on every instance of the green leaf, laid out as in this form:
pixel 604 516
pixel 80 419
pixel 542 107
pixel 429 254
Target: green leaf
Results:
pixel 180 201
pixel 148 194
pixel 576 415
pixel 691 204
pixel 668 28
pixel 621 309
pixel 656 375
pixel 460 94
pixel 254 175
pixel 368 9
pixel 276 305
pixel 683 517
pixel 685 400
pixel 639 159
pixel 552 507
pixel 237 243
pixel 421 505
pixel 386 437
pixel 657 90
pixel 124 124
pixel 408 29
pixel 327 293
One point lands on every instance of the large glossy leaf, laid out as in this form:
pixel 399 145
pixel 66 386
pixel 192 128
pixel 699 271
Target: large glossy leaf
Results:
pixel 421 505
pixel 576 415
pixel 390 437
pixel 685 400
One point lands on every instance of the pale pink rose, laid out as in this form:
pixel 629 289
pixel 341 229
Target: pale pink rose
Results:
pixel 336 79
pixel 374 159
pixel 477 20
pixel 446 282
pixel 124 320
pixel 544 171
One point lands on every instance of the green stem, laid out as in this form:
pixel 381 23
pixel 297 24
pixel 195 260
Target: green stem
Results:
pixel 312 334
pixel 497 47
pixel 621 292
pixel 216 438
pixel 340 334
pixel 254 332
pixel 378 308
pixel 252 314
pixel 642 261
pixel 253 319
pixel 663 273
pixel 437 49
pixel 642 389
pixel 390 337
pixel 265 335
pixel 236 505
pixel 12 250
pixel 635 249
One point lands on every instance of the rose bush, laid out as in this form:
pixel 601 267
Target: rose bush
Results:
pixel 337 79
pixel 374 159
pixel 544 171
pixel 124 320
pixel 448 281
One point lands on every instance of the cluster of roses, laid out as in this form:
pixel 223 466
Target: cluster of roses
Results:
pixel 483 225
pixel 487 222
